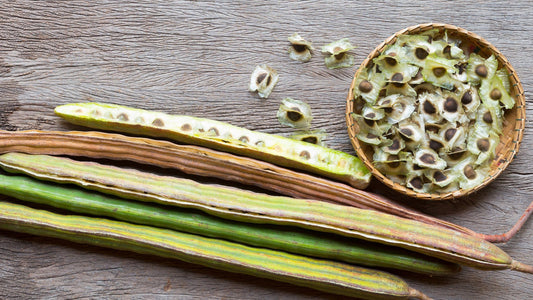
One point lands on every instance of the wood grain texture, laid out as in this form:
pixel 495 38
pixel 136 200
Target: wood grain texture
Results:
pixel 196 57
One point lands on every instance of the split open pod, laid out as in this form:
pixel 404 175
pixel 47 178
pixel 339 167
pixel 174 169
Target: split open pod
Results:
pixel 436 112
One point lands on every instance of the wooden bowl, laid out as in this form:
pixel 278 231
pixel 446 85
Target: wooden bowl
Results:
pixel 514 119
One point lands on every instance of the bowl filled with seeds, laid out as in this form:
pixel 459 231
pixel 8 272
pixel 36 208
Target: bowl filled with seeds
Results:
pixel 436 112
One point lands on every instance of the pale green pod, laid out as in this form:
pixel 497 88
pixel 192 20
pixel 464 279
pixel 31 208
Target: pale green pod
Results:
pixel 327 276
pixel 222 136
pixel 242 205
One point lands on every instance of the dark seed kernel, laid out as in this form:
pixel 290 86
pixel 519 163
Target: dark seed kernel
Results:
pixel 482 71
pixel 158 122
pixel 382 93
pixel 397 77
pixel 467 98
pixel 469 172
pixel 435 145
pixel 495 94
pixel 428 158
pixel 417 167
pixel 487 117
pixel 186 127
pixel 406 132
pixel 451 105
pixel 370 115
pixel 365 86
pixel 369 122
pixel 421 53
pixel 483 144
pixel 310 139
pixel 123 117
pixel 261 77
pixel 269 79
pixel 294 116
pixel 432 128
pixel 339 56
pixel 417 183
pixel 299 48
pixel 391 61
pixel 447 50
pixel 449 134
pixel 393 161
pixel 456 154
pixel 429 108
pixel 395 145
pixel 305 154
pixel 439 71
pixel 439 176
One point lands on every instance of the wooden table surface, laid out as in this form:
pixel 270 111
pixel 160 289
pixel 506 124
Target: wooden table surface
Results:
pixel 195 58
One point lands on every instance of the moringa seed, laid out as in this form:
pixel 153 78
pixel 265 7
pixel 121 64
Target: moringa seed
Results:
pixel 186 127
pixel 469 172
pixel 417 183
pixel 449 134
pixel 428 158
pixel 407 132
pixel 294 116
pixel 421 53
pixel 261 77
pixel 429 108
pixel 451 105
pixel 365 86
pixel 483 144
pixel 482 71
pixel 393 161
pixel 495 94
pixel 305 154
pixel 158 122
pixel 244 139
pixel 487 117
pixel 214 131
pixel 467 98
pixel 391 61
pixel 439 71
pixel 397 77
pixel 439 176
pixel 395 145
pixel 299 48
pixel 435 145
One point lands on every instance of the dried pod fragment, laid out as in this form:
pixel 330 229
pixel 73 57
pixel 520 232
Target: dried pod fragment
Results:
pixel 263 80
pixel 294 113
pixel 338 56
pixel 300 49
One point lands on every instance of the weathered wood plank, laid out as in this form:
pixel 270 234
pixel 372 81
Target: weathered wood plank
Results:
pixel 195 57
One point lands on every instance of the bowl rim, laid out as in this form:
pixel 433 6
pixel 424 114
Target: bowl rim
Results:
pixel 501 161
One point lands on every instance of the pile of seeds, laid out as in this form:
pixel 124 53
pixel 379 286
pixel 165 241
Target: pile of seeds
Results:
pixel 432 110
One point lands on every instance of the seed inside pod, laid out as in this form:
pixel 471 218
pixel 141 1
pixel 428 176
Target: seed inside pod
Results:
pixel 421 53
pixel 450 104
pixel 305 154
pixel 467 98
pixel 482 71
pixel 365 86
pixel 186 127
pixel 483 144
pixel 439 176
pixel 244 139
pixel 429 108
pixel 158 122
pixel 417 183
pixel 449 134
pixel 469 172
pixel 495 94
pixel 487 117
pixel 123 117
pixel 439 71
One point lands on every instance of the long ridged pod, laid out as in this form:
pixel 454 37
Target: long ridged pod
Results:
pixel 205 162
pixel 328 276
pixel 219 135
pixel 248 206
pixel 286 238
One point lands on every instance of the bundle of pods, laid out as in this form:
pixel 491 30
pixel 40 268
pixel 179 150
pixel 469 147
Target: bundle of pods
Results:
pixel 274 237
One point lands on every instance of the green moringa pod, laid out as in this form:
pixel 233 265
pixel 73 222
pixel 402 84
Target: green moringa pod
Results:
pixel 286 238
pixel 328 276
pixel 222 136
pixel 242 205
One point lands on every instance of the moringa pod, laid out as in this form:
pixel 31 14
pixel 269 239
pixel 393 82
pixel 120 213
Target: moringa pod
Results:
pixel 285 238
pixel 242 205
pixel 328 276
pixel 222 136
